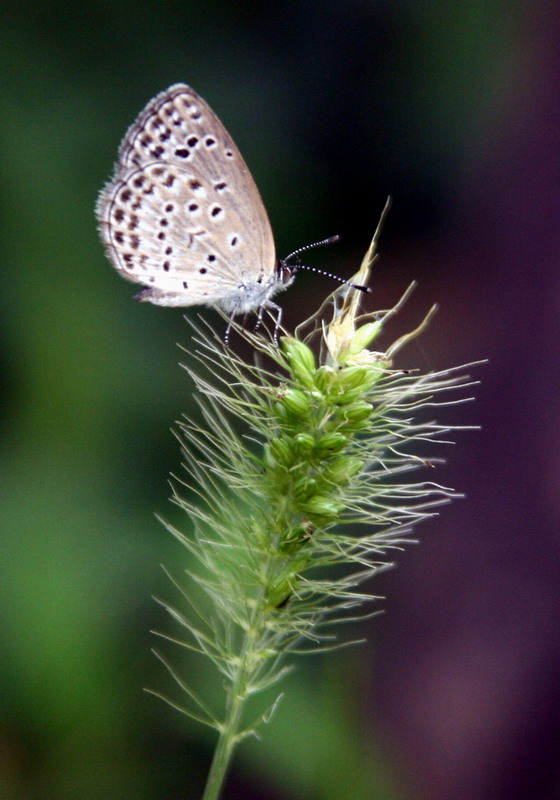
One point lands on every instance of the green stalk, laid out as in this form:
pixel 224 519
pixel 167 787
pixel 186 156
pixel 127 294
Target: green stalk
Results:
pixel 228 737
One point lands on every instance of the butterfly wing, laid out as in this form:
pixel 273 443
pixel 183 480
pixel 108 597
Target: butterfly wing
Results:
pixel 182 215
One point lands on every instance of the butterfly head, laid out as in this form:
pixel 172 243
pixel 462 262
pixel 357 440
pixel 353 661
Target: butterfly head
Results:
pixel 284 274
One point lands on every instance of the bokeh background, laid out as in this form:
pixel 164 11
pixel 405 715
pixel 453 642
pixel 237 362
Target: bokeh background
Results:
pixel 454 110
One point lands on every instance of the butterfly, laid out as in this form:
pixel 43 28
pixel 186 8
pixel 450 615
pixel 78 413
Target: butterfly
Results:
pixel 182 215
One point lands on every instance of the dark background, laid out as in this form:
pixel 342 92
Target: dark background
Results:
pixel 452 108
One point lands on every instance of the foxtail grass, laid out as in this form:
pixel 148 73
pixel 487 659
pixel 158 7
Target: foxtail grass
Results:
pixel 310 465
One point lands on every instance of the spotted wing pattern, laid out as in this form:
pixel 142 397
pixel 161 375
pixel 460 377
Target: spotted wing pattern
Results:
pixel 182 215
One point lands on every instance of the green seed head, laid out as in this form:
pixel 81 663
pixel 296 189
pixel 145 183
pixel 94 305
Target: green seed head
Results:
pixel 325 379
pixel 296 402
pixel 300 359
pixel 353 378
pixel 356 412
pixel 303 444
pixel 342 469
pixel 363 337
pixel 304 488
pixel 281 451
pixel 330 443
pixel 323 506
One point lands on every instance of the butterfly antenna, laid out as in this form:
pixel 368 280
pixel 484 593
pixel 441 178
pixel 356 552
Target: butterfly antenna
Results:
pixel 306 247
pixel 334 277
pixel 299 265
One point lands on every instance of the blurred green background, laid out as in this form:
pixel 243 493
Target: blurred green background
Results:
pixel 454 110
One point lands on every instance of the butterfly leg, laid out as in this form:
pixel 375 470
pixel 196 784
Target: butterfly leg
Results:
pixel 229 326
pixel 275 310
pixel 228 329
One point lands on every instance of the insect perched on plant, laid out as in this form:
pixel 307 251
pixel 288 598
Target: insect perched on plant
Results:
pixel 182 215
